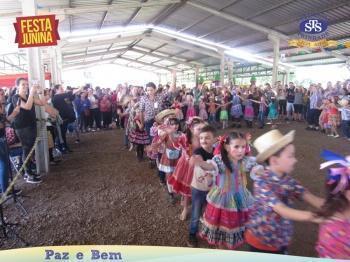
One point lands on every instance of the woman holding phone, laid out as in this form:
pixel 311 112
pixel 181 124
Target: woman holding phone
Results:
pixel 24 122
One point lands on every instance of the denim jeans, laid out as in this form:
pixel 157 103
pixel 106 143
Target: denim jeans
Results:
pixel 148 125
pixel 4 165
pixel 345 126
pixel 198 202
pixel 212 118
pixel 261 118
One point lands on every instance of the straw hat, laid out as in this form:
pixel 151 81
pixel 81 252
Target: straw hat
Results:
pixel 271 142
pixel 167 112
pixel 344 101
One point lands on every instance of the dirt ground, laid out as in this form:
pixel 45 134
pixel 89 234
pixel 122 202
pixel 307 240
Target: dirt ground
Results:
pixel 100 194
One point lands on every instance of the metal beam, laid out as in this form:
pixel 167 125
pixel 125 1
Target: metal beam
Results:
pixel 163 57
pixel 89 9
pixel 239 20
pixel 149 64
pixel 12 65
pixel 134 14
pixel 101 8
pixel 206 17
pixel 70 17
pixel 113 59
pixel 79 57
pixel 166 12
pixel 184 45
pixel 260 13
pixel 105 15
pixel 102 42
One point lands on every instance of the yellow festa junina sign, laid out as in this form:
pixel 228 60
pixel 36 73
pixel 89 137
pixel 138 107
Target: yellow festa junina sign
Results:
pixel 312 44
pixel 34 31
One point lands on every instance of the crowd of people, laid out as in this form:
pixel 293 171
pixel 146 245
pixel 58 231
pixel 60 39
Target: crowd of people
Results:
pixel 175 128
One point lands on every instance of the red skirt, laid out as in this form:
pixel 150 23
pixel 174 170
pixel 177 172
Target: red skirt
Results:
pixel 181 179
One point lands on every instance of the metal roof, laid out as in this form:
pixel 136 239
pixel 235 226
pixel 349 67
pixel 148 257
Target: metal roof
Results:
pixel 241 24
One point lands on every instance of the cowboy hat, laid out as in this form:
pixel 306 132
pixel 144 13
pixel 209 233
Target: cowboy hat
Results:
pixel 271 142
pixel 167 112
pixel 344 101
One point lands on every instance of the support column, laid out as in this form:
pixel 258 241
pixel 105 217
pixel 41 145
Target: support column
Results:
pixel 196 75
pixel 53 66
pixel 36 73
pixel 173 78
pixel 287 76
pixel 230 72
pixel 276 56
pixel 222 69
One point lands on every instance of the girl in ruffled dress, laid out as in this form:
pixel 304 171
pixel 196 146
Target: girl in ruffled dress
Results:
pixel 229 200
pixel 203 110
pixel 180 181
pixel 191 112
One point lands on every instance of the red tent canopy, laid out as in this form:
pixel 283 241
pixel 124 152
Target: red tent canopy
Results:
pixel 9 80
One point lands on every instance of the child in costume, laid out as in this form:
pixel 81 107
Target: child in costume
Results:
pixel 202 179
pixel 236 110
pixel 212 110
pixel 138 135
pixel 345 116
pixel 270 226
pixel 173 141
pixel 334 233
pixel 191 112
pixel 223 114
pixel 273 112
pixel 229 201
pixel 249 111
pixel 203 110
pixel 333 118
pixel 180 181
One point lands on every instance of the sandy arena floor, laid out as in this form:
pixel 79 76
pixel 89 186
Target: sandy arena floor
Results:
pixel 100 194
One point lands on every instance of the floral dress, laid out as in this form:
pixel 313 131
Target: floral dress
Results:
pixel 226 214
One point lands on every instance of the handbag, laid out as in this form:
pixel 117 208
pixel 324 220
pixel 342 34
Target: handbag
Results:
pixel 172 153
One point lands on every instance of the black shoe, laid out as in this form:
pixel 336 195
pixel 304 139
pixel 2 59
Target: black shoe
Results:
pixel 192 241
pixel 309 128
pixel 33 179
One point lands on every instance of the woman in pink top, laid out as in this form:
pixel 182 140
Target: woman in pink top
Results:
pixel 334 233
pixel 106 110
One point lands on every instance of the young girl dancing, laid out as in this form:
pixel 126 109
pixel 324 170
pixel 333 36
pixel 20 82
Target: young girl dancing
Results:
pixel 334 234
pixel 180 181
pixel 229 200
pixel 173 140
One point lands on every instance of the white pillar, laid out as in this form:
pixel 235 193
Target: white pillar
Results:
pixel 276 56
pixel 173 77
pixel 36 72
pixel 53 66
pixel 230 71
pixel 287 76
pixel 196 75
pixel 222 69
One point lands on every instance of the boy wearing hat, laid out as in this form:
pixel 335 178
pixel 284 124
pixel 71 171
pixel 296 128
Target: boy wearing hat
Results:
pixel 270 225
